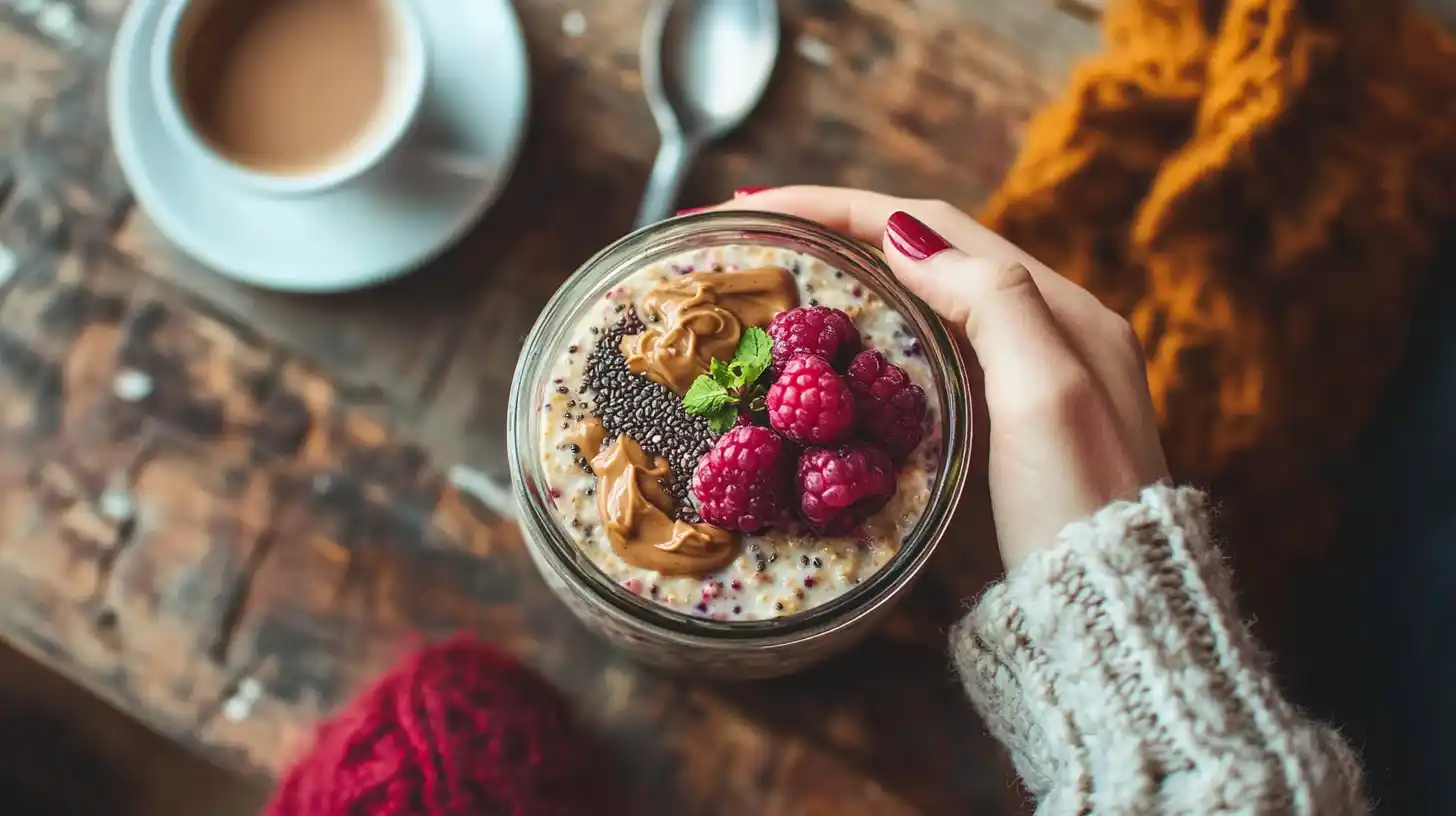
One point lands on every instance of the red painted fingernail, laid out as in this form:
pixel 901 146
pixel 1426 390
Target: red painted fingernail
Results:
pixel 691 210
pixel 748 191
pixel 914 240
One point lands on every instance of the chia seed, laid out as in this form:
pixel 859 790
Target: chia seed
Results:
pixel 647 412
pixel 818 562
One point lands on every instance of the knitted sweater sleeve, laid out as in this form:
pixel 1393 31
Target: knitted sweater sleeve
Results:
pixel 1116 670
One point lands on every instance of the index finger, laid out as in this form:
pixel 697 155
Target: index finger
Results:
pixel 857 213
pixel 862 214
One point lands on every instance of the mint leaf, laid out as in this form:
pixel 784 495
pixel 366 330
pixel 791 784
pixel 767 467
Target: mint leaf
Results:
pixel 709 399
pixel 705 396
pixel 721 420
pixel 718 395
pixel 754 356
pixel 721 374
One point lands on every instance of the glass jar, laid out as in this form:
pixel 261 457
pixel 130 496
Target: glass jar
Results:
pixel 664 637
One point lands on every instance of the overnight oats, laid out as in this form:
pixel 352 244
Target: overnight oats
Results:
pixel 739 434
pixel 652 488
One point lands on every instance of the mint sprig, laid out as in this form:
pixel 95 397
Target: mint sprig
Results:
pixel 728 388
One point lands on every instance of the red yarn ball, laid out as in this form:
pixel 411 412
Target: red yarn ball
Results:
pixel 457 728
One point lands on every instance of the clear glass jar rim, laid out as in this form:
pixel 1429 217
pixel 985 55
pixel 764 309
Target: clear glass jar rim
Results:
pixel 738 227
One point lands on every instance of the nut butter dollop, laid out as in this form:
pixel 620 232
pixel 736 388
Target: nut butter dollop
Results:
pixel 699 316
pixel 636 510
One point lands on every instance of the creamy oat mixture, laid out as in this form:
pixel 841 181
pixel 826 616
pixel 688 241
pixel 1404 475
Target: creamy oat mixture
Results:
pixel 778 573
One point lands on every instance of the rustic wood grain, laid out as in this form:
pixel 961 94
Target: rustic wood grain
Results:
pixel 223 509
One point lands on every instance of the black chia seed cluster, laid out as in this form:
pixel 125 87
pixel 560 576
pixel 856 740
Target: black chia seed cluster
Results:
pixel 647 412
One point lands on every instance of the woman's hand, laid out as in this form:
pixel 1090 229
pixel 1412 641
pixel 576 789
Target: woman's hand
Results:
pixel 1072 424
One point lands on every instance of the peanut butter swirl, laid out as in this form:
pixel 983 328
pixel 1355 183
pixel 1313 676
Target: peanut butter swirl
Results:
pixel 636 512
pixel 697 317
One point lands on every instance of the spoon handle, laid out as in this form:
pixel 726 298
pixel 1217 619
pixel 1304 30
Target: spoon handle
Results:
pixel 668 172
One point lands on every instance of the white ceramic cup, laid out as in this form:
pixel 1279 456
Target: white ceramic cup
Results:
pixel 408 73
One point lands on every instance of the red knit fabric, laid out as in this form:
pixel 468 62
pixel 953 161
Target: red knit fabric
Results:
pixel 459 728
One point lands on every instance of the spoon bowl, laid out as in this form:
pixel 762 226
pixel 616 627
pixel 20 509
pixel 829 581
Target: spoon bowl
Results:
pixel 705 65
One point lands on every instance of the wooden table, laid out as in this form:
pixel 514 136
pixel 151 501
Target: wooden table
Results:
pixel 224 509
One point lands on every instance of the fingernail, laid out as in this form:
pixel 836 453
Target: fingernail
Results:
pixel 691 210
pixel 748 191
pixel 913 239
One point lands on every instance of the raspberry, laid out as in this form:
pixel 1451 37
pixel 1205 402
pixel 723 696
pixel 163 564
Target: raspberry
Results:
pixel 809 403
pixel 741 482
pixel 841 487
pixel 890 408
pixel 819 330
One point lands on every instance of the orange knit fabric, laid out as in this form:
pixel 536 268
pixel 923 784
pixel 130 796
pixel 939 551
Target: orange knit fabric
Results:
pixel 1258 185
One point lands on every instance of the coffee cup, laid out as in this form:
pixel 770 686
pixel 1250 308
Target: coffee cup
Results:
pixel 289 96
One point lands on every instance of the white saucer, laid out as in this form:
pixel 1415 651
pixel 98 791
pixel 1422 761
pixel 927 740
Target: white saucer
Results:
pixel 424 197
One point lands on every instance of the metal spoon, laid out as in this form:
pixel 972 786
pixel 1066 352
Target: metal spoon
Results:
pixel 705 63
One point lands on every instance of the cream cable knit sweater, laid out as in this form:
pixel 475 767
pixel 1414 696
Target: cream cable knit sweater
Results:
pixel 1115 668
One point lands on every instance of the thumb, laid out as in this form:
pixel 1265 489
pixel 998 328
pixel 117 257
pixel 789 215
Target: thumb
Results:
pixel 998 303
